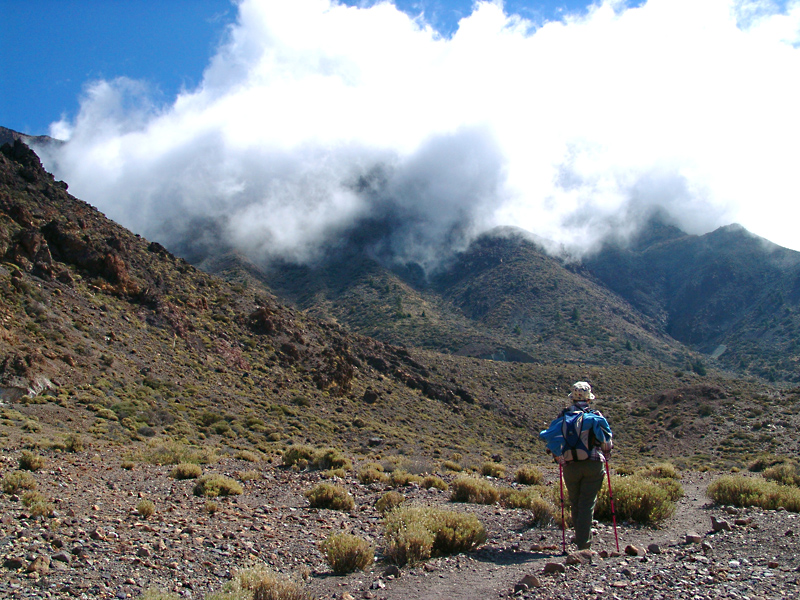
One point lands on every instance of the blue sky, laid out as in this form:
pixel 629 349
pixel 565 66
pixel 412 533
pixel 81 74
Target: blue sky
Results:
pixel 50 49
pixel 573 121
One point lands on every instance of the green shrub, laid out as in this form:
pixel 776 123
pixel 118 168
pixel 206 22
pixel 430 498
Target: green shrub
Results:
pixel 433 481
pixel 389 501
pixel 145 508
pixel 213 485
pixel 41 508
pixel 493 469
pixel 260 583
pixel 401 477
pixel 787 473
pixel 369 475
pixel 18 480
pixel 29 497
pixel 175 453
pixel 28 461
pixel 347 553
pixel 301 457
pixel 635 498
pixel 211 507
pixel 74 443
pixel 450 465
pixel 415 534
pixel 186 471
pixel 739 490
pixel 248 456
pixel 329 495
pixel 334 473
pixel 249 475
pixel 474 491
pixel 528 475
pixel 660 471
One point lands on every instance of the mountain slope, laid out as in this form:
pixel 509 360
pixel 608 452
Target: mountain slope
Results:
pixel 502 298
pixel 727 293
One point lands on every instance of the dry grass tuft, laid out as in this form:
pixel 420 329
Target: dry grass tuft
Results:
pixel 347 553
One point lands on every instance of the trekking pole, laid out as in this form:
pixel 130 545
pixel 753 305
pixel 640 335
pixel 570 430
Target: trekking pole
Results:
pixel 563 524
pixel 611 500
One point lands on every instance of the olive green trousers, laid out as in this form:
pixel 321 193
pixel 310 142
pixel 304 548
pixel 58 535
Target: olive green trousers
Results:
pixel 583 479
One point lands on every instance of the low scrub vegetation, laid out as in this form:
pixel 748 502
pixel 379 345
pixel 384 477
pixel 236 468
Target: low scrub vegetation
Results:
pixel 186 471
pixel 369 475
pixel 29 461
pixel 389 501
pixel 738 490
pixel 638 499
pixel 493 469
pixel 474 491
pixel 175 453
pixel 528 475
pixel 302 457
pixel 416 533
pixel 145 508
pixel 213 485
pixel 660 471
pixel 787 473
pixel 259 582
pixel 329 495
pixel 347 553
pixel 16 481
pixel 434 481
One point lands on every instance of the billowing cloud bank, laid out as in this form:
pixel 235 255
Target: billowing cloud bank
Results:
pixel 317 121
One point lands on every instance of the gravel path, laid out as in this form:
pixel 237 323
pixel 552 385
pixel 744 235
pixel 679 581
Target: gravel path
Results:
pixel 97 546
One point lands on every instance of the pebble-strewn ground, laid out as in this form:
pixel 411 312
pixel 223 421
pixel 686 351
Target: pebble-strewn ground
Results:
pixel 97 546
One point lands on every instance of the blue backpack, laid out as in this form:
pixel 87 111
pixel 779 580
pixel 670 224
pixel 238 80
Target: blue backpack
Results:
pixel 567 437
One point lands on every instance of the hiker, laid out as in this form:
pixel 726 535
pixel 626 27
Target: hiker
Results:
pixel 580 440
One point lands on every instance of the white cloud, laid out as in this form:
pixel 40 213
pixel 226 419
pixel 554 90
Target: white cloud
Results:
pixel 315 118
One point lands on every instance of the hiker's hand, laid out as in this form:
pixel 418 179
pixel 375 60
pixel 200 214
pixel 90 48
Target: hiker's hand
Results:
pixel 606 447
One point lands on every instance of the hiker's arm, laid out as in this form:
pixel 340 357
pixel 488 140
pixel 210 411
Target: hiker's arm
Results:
pixel 603 435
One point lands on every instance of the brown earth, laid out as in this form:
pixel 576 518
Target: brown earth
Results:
pixel 97 546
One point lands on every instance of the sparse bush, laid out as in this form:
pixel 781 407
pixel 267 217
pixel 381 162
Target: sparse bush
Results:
pixel 41 508
pixel 739 490
pixel 450 465
pixel 433 481
pixel 301 456
pixel 474 491
pixel 334 473
pixel 248 456
pixel 528 475
pixel 29 497
pixel 250 475
pixel 764 462
pixel 787 473
pixel 175 453
pixel 389 501
pixel 127 465
pixel 369 475
pixel 415 534
pixel 211 507
pixel 660 471
pixel 347 553
pixel 186 471
pixel 409 543
pixel 213 485
pixel 18 480
pixel 28 461
pixel 329 495
pixel 145 508
pixel 74 443
pixel 493 469
pixel 401 477
pixel 258 581
pixel 636 498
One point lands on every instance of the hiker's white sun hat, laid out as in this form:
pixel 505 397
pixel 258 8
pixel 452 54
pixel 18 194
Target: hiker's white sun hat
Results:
pixel 581 391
